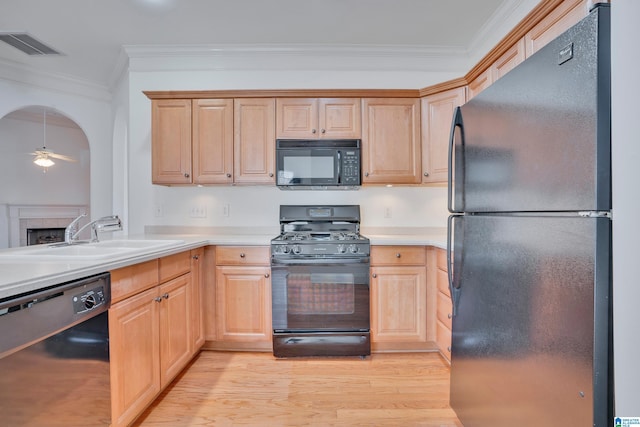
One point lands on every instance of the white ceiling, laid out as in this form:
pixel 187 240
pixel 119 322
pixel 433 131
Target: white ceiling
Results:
pixel 91 34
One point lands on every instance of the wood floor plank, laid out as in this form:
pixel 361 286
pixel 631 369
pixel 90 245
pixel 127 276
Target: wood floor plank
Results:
pixel 255 389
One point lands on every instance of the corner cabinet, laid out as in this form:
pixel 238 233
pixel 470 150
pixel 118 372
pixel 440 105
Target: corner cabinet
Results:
pixel 318 118
pixel 437 114
pixel 243 298
pixel 391 147
pixel 151 338
pixel 398 298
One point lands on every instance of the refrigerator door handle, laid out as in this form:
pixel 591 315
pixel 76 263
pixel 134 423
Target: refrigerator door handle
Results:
pixel 455 124
pixel 453 290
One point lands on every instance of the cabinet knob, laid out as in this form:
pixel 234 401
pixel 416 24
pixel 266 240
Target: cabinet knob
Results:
pixel 313 131
pixel 366 174
pixel 449 349
pixel 398 255
pixel 157 299
pixel 426 174
pixel 323 131
pixel 165 296
pixel 186 175
pixel 266 275
pixel 196 257
pixel 242 255
pixel 449 316
pixel 228 175
pixel 374 275
pixel 270 174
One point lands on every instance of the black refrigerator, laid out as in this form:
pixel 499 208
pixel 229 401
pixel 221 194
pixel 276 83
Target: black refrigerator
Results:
pixel 529 245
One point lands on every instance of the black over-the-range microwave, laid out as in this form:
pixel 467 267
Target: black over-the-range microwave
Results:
pixel 318 164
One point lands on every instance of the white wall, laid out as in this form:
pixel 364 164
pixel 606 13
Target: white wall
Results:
pixel 258 205
pixel 22 182
pixel 93 116
pixel 626 204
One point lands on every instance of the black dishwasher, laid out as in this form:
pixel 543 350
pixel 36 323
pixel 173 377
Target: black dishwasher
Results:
pixel 54 355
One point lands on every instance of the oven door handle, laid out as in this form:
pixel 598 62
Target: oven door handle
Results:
pixel 320 261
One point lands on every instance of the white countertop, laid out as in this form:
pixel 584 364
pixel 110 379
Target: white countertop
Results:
pixel 21 272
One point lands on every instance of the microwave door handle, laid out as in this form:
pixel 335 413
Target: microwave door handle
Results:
pixel 339 168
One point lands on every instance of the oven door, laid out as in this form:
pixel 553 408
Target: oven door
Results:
pixel 320 295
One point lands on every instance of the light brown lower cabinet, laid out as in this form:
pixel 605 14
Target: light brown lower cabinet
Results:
pixel 151 335
pixel 444 308
pixel 398 298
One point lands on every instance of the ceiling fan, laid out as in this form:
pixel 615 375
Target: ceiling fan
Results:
pixel 44 156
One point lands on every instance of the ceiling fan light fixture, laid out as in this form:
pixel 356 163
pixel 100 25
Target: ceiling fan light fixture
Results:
pixel 45 162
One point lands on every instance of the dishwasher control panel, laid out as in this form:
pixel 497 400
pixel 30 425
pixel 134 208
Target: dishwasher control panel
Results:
pixel 89 300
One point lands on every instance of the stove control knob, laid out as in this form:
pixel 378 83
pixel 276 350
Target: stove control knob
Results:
pixel 341 249
pixel 285 249
pixel 296 249
pixel 353 249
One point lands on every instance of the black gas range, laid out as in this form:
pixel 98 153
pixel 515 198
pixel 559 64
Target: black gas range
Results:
pixel 320 282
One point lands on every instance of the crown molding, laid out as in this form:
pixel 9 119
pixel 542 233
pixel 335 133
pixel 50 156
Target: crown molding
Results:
pixel 20 73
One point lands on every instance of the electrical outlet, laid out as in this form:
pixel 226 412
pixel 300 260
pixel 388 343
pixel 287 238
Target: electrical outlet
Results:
pixel 157 211
pixel 387 212
pixel 198 212
pixel 225 210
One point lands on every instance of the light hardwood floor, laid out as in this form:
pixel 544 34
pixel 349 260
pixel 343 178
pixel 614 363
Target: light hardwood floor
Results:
pixel 255 389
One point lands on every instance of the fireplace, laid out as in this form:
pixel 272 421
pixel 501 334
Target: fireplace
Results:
pixel 45 221
pixel 43 236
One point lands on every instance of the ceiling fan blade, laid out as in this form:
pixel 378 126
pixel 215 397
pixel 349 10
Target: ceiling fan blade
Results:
pixel 62 157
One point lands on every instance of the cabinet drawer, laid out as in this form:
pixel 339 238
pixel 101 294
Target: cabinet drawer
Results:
pixel 443 339
pixel 442 282
pixel 131 280
pixel 398 255
pixel 441 259
pixel 242 255
pixel 444 309
pixel 174 265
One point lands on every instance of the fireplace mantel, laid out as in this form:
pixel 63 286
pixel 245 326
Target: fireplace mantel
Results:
pixel 22 217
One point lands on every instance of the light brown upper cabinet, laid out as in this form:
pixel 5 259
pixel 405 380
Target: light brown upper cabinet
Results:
pixel 213 141
pixel 509 60
pixel 171 141
pixel 391 152
pixel 480 83
pixel 315 118
pixel 254 140
pixel 567 14
pixel 437 114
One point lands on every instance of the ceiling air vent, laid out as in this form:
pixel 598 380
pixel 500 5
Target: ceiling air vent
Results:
pixel 27 44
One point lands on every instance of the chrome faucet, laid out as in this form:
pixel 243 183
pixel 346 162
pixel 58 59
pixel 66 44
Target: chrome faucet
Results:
pixel 106 223
pixel 70 232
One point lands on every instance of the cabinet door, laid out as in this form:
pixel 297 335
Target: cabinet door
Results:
pixel 398 304
pixel 567 14
pixel 339 118
pixel 243 298
pixel 175 327
pixel 437 114
pixel 212 141
pixel 297 118
pixel 254 140
pixel 480 83
pixel 171 141
pixel 197 299
pixel 509 60
pixel 134 347
pixel 391 141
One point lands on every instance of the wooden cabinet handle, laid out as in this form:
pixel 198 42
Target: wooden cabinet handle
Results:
pixel 242 255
